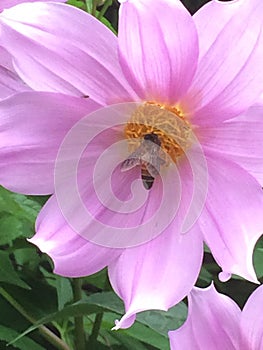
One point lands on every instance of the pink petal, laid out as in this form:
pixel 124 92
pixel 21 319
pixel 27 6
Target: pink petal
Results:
pixel 158 274
pixel 6 60
pixel 10 83
pixel 60 48
pixel 240 140
pixel 252 320
pixel 230 72
pixel 158 48
pixel 73 256
pixel 212 323
pixel 231 221
pixel 32 126
pixel 5 4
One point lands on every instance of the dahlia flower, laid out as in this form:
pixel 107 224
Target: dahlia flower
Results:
pixel 215 321
pixel 192 81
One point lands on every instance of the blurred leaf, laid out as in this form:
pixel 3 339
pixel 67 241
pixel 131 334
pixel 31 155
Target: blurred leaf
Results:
pixel 39 301
pixel 128 342
pixel 205 275
pixel 138 332
pixel 260 242
pixel 77 3
pixel 100 302
pixel 8 273
pixel 62 285
pixel 147 336
pixel 27 256
pixel 107 24
pixel 8 334
pixel 17 216
pixel 18 205
pixel 77 309
pixel 162 321
pixel 64 291
pixel 258 262
pixel 95 283
pixel 10 229
pixel 89 5
pixel 108 300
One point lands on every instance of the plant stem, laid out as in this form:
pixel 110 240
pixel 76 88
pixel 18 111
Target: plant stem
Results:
pixel 43 330
pixel 80 340
pixel 94 7
pixel 98 319
pixel 96 328
pixel 105 7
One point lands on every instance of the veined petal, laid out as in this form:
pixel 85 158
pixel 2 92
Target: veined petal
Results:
pixel 59 48
pixel 231 220
pixel 240 140
pixel 158 48
pixel 73 256
pixel 212 323
pixel 157 274
pixel 32 126
pixel 10 83
pixel 229 74
pixel 6 60
pixel 5 4
pixel 252 321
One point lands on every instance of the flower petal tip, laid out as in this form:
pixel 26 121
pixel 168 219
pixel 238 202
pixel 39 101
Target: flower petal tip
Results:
pixel 224 276
pixel 117 326
pixel 125 322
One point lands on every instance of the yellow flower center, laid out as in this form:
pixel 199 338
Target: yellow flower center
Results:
pixel 168 123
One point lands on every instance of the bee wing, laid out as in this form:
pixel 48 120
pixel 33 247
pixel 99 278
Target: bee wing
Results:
pixel 153 159
pixel 130 163
pixel 134 159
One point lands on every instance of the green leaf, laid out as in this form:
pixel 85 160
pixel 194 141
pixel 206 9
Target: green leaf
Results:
pixel 128 342
pixel 10 229
pixel 258 261
pixel 26 256
pixel 62 285
pixel 8 334
pixel 18 205
pixel 205 275
pixel 77 3
pixel 163 321
pixel 106 23
pixel 78 309
pixel 107 300
pixel 8 273
pixel 138 331
pixel 17 216
pixel 89 5
pixel 64 291
pixel 151 328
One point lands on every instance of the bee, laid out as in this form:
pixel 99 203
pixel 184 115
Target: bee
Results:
pixel 149 156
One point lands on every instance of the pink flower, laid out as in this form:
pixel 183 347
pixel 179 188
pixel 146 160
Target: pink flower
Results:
pixel 215 322
pixel 194 76
pixel 10 82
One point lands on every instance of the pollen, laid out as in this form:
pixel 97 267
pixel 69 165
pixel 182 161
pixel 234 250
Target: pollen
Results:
pixel 173 130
